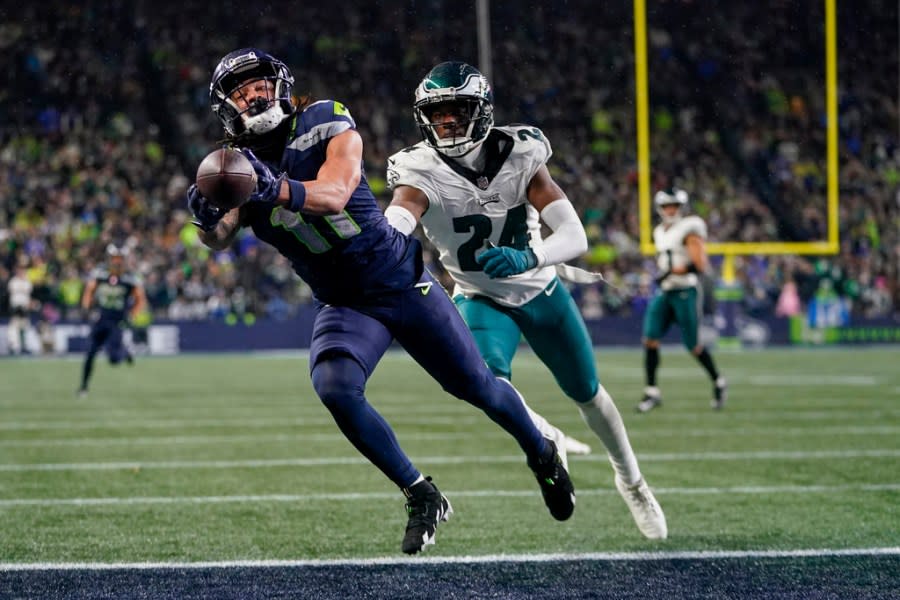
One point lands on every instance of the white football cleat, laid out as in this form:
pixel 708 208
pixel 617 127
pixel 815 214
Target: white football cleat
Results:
pixel 573 446
pixel 644 508
pixel 651 399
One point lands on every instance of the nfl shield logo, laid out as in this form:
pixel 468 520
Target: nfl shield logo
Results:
pixel 482 182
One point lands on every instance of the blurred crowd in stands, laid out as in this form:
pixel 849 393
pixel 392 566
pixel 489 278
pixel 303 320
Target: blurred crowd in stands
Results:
pixel 104 116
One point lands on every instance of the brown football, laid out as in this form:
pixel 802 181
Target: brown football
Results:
pixel 226 178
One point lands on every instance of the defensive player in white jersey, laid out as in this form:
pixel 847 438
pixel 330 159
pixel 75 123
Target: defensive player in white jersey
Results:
pixel 480 193
pixel 680 258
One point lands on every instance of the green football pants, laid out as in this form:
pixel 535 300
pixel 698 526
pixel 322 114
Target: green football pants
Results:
pixel 552 326
pixel 674 306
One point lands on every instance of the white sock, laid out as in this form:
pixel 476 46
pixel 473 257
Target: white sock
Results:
pixel 602 416
pixel 542 424
pixel 13 336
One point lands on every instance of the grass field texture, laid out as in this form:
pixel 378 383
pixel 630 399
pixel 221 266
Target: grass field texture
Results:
pixel 219 458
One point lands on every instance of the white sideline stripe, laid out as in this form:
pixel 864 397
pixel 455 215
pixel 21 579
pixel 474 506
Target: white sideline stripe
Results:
pixel 444 560
pixel 407 419
pixel 434 460
pixel 330 437
pixel 239 499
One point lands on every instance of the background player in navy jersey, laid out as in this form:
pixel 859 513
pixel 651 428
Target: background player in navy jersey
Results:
pixel 314 205
pixel 117 294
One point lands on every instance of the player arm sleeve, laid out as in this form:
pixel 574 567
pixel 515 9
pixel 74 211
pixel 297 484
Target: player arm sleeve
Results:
pixel 568 239
pixel 400 219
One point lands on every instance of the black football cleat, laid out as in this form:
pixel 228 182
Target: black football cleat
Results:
pixel 556 487
pixel 426 507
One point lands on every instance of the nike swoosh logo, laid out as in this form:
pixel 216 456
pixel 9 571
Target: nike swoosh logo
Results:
pixel 549 290
pixel 425 287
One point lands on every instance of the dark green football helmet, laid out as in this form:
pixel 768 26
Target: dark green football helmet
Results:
pixel 455 82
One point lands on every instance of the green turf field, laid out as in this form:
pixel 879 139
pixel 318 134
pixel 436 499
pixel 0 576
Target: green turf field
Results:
pixel 230 457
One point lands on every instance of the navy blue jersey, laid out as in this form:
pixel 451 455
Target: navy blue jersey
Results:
pixel 113 294
pixel 342 257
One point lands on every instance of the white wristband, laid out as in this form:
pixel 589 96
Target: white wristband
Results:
pixel 400 219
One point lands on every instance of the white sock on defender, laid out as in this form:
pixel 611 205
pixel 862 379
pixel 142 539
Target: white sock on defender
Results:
pixel 542 424
pixel 602 416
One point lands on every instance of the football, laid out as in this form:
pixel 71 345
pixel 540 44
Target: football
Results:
pixel 226 178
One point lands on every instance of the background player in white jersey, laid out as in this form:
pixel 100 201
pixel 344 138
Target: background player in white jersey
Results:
pixel 480 192
pixel 680 257
pixel 19 288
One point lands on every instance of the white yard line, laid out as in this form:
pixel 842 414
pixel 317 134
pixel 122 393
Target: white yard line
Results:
pixel 426 417
pixel 443 560
pixel 166 440
pixel 439 460
pixel 369 496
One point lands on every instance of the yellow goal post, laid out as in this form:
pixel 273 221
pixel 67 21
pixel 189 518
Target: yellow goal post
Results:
pixel 731 249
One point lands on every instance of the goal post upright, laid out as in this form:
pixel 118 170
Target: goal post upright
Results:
pixel 642 115
pixel 730 250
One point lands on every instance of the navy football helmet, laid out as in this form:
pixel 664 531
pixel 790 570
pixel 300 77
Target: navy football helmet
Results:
pixel 263 114
pixel 455 82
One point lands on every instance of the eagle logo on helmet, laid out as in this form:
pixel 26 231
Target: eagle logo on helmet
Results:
pixel 455 82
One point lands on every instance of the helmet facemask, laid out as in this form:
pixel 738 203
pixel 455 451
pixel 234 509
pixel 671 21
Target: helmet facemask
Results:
pixel 473 122
pixel 463 87
pixel 235 76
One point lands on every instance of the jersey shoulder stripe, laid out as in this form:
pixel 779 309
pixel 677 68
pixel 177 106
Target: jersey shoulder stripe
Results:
pixel 318 123
pixel 325 111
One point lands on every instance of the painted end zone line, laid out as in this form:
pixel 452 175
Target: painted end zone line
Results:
pixel 444 560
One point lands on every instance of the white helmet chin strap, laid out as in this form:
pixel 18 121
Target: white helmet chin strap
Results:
pixel 265 121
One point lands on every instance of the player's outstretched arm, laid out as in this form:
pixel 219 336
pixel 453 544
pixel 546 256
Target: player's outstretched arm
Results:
pixel 338 176
pixel 224 232
pixel 568 239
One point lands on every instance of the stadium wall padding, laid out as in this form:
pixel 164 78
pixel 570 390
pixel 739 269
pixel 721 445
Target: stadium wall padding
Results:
pixel 170 337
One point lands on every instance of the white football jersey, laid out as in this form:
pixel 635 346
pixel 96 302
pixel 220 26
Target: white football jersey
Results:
pixel 468 209
pixel 671 251
pixel 19 289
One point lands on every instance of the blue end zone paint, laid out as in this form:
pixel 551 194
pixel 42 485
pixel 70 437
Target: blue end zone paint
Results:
pixel 817 577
